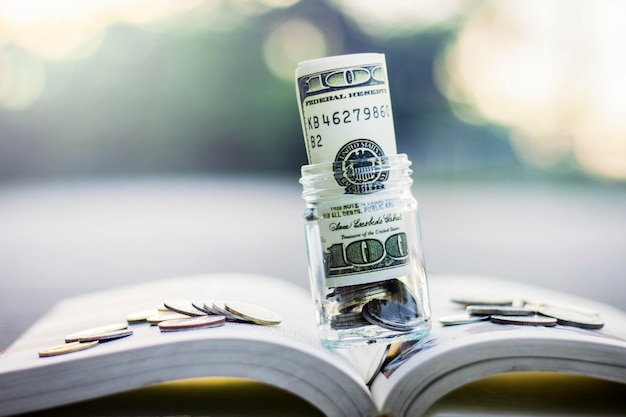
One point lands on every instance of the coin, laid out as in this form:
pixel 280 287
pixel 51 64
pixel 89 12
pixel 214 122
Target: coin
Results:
pixel 66 348
pixel 141 315
pixel 575 318
pixel 398 312
pixel 354 292
pixel 255 313
pixel 103 337
pixel 457 319
pixel 347 302
pixel 191 323
pixel 208 307
pixel 96 330
pixel 199 304
pixel 352 289
pixel 166 315
pixel 583 310
pixel 183 307
pixel 348 320
pixel 483 299
pixel 535 320
pixel 219 306
pixel 485 310
pixel 392 315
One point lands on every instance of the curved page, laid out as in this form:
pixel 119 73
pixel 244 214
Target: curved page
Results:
pixel 421 373
pixel 288 355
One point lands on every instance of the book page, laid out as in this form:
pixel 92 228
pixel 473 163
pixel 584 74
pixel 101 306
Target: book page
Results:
pixel 451 356
pixel 288 355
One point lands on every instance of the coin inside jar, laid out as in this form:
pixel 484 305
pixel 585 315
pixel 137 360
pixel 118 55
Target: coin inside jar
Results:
pixel 348 320
pixel 392 315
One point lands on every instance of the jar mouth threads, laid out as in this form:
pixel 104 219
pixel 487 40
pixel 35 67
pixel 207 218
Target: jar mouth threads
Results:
pixel 356 176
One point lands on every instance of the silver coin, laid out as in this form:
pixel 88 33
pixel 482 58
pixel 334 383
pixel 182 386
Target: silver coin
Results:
pixel 392 315
pixel 483 299
pixel 164 316
pixel 348 320
pixel 208 307
pixel 254 313
pixel 356 292
pixel 74 337
pixel 199 304
pixel 183 307
pixel 349 290
pixel 355 300
pixel 189 323
pixel 351 298
pixel 70 347
pixel 583 310
pixel 486 310
pixel 457 319
pixel 219 306
pixel 535 320
pixel 141 315
pixel 102 337
pixel 575 318
pixel 398 313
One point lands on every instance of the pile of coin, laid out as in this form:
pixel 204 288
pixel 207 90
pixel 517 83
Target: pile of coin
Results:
pixel 172 315
pixel 388 304
pixel 504 310
pixel 88 338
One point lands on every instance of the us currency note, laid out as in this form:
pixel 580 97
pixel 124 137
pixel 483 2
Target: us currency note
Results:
pixel 345 108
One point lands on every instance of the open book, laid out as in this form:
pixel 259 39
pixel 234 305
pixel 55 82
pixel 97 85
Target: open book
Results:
pixel 398 380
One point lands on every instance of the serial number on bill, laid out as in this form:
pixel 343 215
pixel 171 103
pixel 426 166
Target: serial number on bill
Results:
pixel 349 116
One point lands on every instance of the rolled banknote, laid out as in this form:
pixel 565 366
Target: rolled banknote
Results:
pixel 345 108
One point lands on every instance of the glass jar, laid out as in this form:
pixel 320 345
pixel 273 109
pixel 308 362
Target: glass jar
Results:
pixel 366 264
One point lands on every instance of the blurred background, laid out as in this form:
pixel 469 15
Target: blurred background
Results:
pixel 143 139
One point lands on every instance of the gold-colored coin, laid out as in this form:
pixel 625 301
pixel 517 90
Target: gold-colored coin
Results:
pixel 255 313
pixel 166 315
pixel 104 337
pixel 96 330
pixel 66 348
pixel 142 315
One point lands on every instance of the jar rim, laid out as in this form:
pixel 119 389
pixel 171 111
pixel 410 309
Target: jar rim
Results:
pixel 356 176
pixel 396 161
